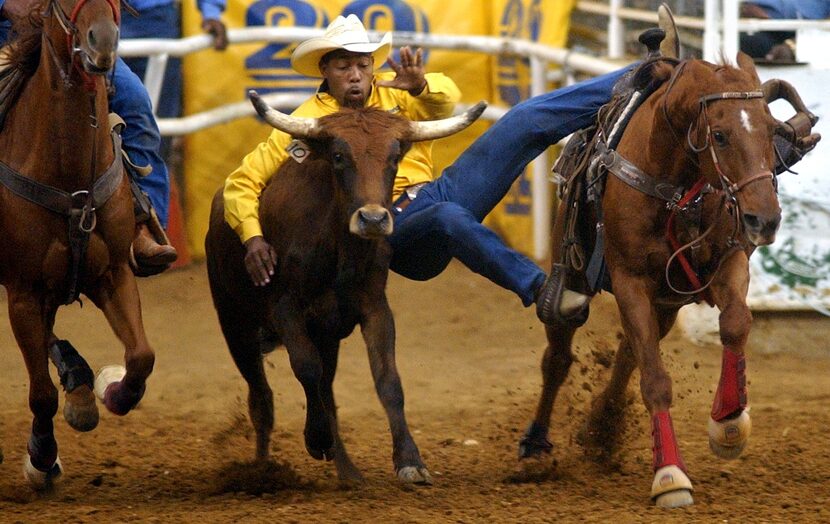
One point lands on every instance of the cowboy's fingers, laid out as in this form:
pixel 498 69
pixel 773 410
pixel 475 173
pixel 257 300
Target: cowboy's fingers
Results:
pixel 419 57
pixel 406 56
pixel 394 65
pixel 256 267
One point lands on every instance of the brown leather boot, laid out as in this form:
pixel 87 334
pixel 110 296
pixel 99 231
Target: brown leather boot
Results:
pixel 147 256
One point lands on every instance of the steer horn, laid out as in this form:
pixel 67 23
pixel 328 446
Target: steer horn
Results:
pixel 296 126
pixel 434 129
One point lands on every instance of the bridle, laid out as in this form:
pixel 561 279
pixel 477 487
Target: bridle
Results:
pixel 73 41
pixel 728 186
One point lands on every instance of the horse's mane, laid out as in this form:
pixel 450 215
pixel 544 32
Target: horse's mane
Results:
pixel 23 48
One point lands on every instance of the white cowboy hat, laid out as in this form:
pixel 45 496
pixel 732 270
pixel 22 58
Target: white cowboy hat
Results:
pixel 343 33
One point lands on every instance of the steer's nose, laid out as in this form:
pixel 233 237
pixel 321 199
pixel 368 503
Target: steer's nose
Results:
pixel 371 221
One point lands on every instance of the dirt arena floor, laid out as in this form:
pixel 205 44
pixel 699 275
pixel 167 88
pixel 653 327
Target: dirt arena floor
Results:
pixel 469 358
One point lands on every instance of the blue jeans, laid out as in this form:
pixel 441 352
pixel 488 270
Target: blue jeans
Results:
pixel 141 136
pixel 444 221
pixel 163 21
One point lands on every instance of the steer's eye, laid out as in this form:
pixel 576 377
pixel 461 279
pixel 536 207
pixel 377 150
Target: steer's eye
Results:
pixel 338 158
pixel 720 138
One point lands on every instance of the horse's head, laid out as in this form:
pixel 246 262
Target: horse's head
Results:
pixel 730 135
pixel 362 148
pixel 91 28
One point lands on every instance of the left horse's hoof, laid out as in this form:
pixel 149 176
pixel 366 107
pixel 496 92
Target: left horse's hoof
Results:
pixel 107 375
pixel 80 410
pixel 415 475
pixel 671 488
pixel 42 480
pixel 728 438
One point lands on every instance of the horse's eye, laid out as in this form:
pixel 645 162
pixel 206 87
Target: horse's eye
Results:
pixel 720 138
pixel 338 157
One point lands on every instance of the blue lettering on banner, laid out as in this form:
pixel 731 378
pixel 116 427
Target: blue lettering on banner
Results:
pixel 270 66
pixel 389 15
pixel 517 22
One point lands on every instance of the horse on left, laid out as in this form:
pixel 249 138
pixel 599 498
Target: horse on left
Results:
pixel 66 217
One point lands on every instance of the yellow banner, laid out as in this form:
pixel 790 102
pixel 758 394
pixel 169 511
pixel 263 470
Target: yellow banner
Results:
pixel 544 21
pixel 213 78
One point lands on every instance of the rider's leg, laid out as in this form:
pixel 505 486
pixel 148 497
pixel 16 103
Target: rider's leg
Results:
pixel 484 172
pixel 444 220
pixel 429 233
pixel 141 141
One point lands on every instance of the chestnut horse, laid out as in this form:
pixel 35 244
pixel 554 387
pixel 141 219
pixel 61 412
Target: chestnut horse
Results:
pixel 67 220
pixel 689 193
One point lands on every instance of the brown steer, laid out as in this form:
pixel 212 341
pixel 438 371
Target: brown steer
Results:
pixel 326 218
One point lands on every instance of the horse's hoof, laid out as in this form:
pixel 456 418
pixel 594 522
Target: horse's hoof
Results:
pixel 107 375
pixel 42 480
pixel 80 410
pixel 534 442
pixel 415 475
pixel 320 454
pixel 675 499
pixel 529 448
pixel 671 488
pixel 728 438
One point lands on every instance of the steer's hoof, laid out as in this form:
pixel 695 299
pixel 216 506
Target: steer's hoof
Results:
pixel 671 488
pixel 106 376
pixel 80 410
pixel 728 437
pixel 42 480
pixel 415 475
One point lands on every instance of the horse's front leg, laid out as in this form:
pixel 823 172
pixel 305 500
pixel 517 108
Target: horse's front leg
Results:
pixel 729 424
pixel 121 388
pixel 671 486
pixel 378 327
pixel 30 314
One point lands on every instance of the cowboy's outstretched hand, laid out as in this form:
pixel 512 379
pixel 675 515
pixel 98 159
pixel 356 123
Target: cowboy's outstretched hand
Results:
pixel 409 74
pixel 219 32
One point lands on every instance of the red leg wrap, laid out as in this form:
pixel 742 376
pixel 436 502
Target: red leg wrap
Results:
pixel 664 451
pixel 730 398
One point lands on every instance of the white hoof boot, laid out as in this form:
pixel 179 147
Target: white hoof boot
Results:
pixel 42 480
pixel 671 488
pixel 106 376
pixel 727 438
pixel 572 302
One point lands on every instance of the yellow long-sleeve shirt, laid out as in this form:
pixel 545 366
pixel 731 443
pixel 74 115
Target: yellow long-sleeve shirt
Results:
pixel 244 186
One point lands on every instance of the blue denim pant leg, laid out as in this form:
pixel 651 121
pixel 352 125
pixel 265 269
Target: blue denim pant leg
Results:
pixel 141 136
pixel 430 232
pixel 444 221
pixel 162 21
pixel 484 172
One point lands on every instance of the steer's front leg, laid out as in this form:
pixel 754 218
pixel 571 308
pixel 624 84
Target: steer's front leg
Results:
pixel 378 327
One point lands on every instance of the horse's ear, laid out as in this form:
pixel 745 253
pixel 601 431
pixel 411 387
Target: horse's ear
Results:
pixel 746 64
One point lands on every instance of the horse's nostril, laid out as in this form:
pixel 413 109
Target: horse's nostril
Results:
pixel 91 38
pixel 752 222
